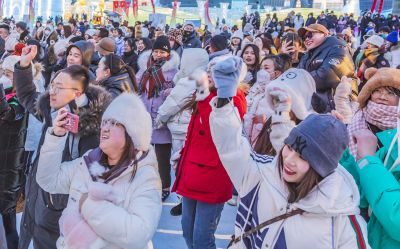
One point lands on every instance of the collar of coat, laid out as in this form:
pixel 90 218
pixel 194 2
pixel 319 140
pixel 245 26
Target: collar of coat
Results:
pixel 89 115
pixel 171 64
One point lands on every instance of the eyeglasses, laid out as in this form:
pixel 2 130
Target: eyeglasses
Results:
pixel 308 35
pixel 109 123
pixel 384 92
pixel 56 89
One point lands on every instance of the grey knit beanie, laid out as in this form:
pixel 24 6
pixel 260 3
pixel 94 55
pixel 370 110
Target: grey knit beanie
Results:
pixel 320 140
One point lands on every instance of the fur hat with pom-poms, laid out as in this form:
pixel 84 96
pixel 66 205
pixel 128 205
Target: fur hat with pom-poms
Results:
pixel 129 110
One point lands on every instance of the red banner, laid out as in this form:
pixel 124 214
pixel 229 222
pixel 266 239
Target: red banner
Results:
pixel 31 12
pixel 373 6
pixel 120 7
pixel 135 8
pixel 380 7
pixel 207 15
pixel 153 6
pixel 174 10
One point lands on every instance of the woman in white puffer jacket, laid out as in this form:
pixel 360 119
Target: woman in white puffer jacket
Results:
pixel 258 109
pixel 114 190
pixel 310 200
pixel 176 110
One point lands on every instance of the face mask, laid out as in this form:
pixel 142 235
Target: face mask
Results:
pixel 383 36
pixel 7 83
pixel 279 28
pixel 309 16
pixel 187 33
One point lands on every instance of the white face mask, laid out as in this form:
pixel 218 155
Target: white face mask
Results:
pixel 7 83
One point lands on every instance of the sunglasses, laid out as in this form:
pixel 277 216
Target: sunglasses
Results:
pixel 308 35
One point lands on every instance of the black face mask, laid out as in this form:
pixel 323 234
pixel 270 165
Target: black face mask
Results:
pixel 187 33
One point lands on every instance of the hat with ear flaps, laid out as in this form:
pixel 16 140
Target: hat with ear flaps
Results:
pixel 378 78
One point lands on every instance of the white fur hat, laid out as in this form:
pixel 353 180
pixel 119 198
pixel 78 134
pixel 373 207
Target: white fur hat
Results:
pixel 129 110
pixel 300 85
pixel 60 46
pixel 9 62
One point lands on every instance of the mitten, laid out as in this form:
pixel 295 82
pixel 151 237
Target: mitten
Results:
pixel 77 233
pixel 202 84
pixel 100 191
pixel 226 76
pixel 263 76
pixel 282 100
pixel 342 99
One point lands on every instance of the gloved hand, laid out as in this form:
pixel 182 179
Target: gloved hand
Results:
pixel 281 99
pixel 226 76
pixel 263 76
pixel 202 84
pixel 342 99
pixel 248 77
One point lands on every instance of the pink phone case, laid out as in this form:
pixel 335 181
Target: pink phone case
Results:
pixel 72 124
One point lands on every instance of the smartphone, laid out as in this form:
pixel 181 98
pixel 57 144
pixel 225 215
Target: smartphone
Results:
pixel 72 123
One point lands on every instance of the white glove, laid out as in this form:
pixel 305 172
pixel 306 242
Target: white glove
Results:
pixel 342 99
pixel 263 76
pixel 202 84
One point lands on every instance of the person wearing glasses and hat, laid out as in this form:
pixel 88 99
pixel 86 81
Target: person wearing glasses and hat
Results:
pixel 327 60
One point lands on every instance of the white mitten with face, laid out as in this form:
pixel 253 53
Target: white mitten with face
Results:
pixel 202 84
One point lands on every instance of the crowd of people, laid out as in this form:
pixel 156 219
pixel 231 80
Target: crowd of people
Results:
pixel 293 121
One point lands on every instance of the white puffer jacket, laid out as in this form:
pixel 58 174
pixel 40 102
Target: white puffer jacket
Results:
pixel 331 219
pixel 132 223
pixel 256 105
pixel 172 111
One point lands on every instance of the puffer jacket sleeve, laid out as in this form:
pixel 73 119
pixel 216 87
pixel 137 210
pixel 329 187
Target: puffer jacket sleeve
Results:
pixel 26 89
pixel 53 175
pixel 180 96
pixel 335 65
pixel 382 191
pixel 234 149
pixel 134 226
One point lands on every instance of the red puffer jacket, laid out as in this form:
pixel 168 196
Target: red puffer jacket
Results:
pixel 201 175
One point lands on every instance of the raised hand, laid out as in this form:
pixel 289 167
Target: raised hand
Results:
pixel 28 54
pixel 282 100
pixel 342 99
pixel 366 143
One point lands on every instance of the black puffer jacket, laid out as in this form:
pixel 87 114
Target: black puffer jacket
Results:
pixel 192 41
pixel 43 210
pixel 327 64
pixel 118 84
pixel 131 59
pixel 13 122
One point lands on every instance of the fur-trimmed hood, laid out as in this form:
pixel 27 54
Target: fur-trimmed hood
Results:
pixel 89 115
pixel 171 64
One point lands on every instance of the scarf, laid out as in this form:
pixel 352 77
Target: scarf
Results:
pixel 382 116
pixel 370 56
pixel 154 76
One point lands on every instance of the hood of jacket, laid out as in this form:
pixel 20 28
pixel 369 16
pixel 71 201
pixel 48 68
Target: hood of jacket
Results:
pixel 89 115
pixel 335 194
pixel 87 50
pixel 171 64
pixel 120 81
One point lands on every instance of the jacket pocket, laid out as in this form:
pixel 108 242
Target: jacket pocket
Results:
pixel 202 172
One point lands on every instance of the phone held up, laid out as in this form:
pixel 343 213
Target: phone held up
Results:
pixel 72 123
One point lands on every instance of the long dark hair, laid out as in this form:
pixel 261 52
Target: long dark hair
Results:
pixel 127 157
pixel 298 191
pixel 256 66
pixel 118 66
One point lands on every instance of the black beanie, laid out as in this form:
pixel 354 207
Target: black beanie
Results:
pixel 162 43
pixel 219 42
